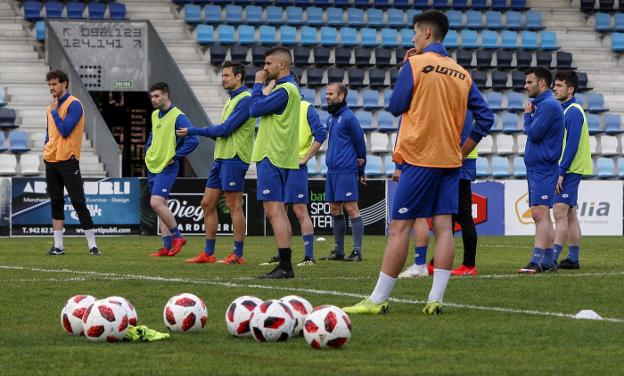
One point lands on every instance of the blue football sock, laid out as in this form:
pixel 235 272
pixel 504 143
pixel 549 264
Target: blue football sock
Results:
pixel 238 248
pixel 209 248
pixel 538 255
pixel 357 226
pixel 548 257
pixel 175 232
pixel 556 252
pixel 573 252
pixel 308 245
pixel 339 233
pixel 420 256
pixel 167 241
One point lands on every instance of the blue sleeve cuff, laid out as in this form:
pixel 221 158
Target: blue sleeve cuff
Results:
pixel 257 87
pixel 562 171
pixel 476 137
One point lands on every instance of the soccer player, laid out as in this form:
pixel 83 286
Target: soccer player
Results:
pixel 61 155
pixel 276 151
pixel 431 95
pixel 544 126
pixel 345 159
pixel 163 152
pixel 232 155
pixel 312 134
pixel 574 163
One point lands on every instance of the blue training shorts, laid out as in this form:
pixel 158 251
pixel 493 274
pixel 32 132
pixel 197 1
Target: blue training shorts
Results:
pixel 297 186
pixel 341 187
pixel 227 175
pixel 542 185
pixel 423 192
pixel 271 184
pixel 569 193
pixel 161 183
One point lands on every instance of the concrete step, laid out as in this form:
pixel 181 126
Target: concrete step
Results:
pixel 9 55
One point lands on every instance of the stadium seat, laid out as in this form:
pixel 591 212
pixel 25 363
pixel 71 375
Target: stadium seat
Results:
pixel 301 55
pixel 323 95
pixel 617 42
pixel 400 54
pixel 604 168
pixel 294 16
pixel 460 4
pixel 312 167
pixel 484 59
pixel 2 96
pixel 489 39
pixel 386 97
pixel 389 165
pixel 117 11
pixel 510 123
pixel 8 164
pixel 494 20
pixel 239 53
pixel 257 55
pixel 509 40
pixel 500 167
pixel 348 37
pixel 534 20
pixel 250 72
pixel 504 59
pixel 247 35
pixel 469 39
pixel 3 148
pixel 309 95
pixel 315 79
pixel 419 4
pixel 76 9
pixel 609 145
pixel 322 161
pixel 353 100
pixel 496 127
pixel 40 31
pixel 486 146
pixel 329 36
pixel 379 142
pixel 495 100
pixel 370 100
pixel 595 103
pixel 524 59
pixel 96 11
pixel 603 22
pixel 620 168
pixel 382 57
pixel 514 21
pixel 374 18
pixel 519 5
pixel 212 14
pixel 593 124
pixel 254 15
pixel 519 169
pixel 464 58
pixel 322 3
pixel 521 140
pixel 275 15
pixel 281 3
pixel 355 17
pixel 613 124
pixel 482 167
pixel 7 118
pixel 386 122
pixel 395 17
pixel 192 13
pixel 504 144
pixel 606 5
pixel 205 34
pixel 234 14
pixel 548 40
pixel 544 58
pixel 18 142
pixel 451 41
pixel 517 80
pixel 32 10
pixel 308 36
pixel 373 166
pixel 499 5
pixel 54 9
pixel 564 60
pixel 30 164
pixel 515 102
pixel 315 16
pixel 407 37
pixel 366 120
pixel 226 34
pixel 335 16
pixel 321 56
pixel 288 35
pixel 529 40
pixel 441 4
pixel 474 19
pixel 456 19
pixel 356 78
pixel 583 81
pixel 345 3
pixel 376 78
pixel 593 145
pixel 619 21
pixel 393 73
pixel 342 57
pixel 389 38
pixel 335 74
pixel 580 99
pixel 368 37
pixel 479 78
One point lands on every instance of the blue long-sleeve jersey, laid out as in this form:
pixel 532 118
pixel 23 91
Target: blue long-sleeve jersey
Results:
pixel 544 129
pixel 65 127
pixel 404 88
pixel 239 115
pixel 318 129
pixel 573 121
pixel 184 145
pixel 274 103
pixel 346 143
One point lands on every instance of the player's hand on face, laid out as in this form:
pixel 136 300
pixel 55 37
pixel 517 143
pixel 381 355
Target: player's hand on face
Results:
pixel 262 75
pixel 269 87
pixel 396 175
pixel 182 132
pixel 363 180
pixel 528 108
pixel 54 103
pixel 559 187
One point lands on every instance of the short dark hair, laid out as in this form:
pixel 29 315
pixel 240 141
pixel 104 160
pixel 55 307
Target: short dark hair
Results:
pixel 237 68
pixel 542 73
pixel 57 75
pixel 437 20
pixel 278 49
pixel 162 86
pixel 342 88
pixel 569 77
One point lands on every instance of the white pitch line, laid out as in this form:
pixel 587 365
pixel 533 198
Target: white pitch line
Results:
pixel 298 289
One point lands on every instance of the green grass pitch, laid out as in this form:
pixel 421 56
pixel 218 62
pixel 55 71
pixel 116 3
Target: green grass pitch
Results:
pixel 498 323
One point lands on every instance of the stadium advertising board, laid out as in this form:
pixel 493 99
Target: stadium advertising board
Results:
pixel 113 204
pixel 5 206
pixel 599 208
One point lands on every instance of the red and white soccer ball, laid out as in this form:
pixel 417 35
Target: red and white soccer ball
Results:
pixel 238 314
pixel 272 321
pixel 105 321
pixel 300 309
pixel 71 314
pixel 127 306
pixel 185 313
pixel 327 326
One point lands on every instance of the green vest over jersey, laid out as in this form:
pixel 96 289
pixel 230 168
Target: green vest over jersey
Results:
pixel 582 162
pixel 240 142
pixel 163 147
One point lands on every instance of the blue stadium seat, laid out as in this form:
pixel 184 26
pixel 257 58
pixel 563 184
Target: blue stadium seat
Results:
pixel 420 4
pixel 617 42
pixel 315 16
pixel 246 35
pixel 308 36
pixel 479 4
pixel 529 40
pixel 499 5
pixel 450 41
pixel 212 14
pixel 456 19
pixel 441 4
pixel 613 124
pixel 294 16
pixel 595 103
pixel 593 123
pixel 267 35
pixel 54 9
pixel 396 17
pixel 355 17
pixel 356 79
pixel 499 80
pixel 460 4
pixel 515 102
pixel 548 40
pixel 469 39
pixel 96 11
pixel 40 30
pixel 379 3
pixel 514 20
pixel 334 16
pixel 510 40
pixel 500 167
pixel 386 95
pixel 489 39
pixel 226 34
pixel 482 166
pixel 243 2
pixel 18 142
pixel 329 36
pixel 352 100
pixel 303 3
pixel 192 13
pixel 519 5
pixel 368 37
pixel 510 123
pixel 604 168
pixel 407 37
pixel 343 3
pixel 534 20
pixel 519 169
pixel 2 96
pixel 234 14
pixel 390 165
pixel 32 10
pixel 309 95
pixel 474 19
pixel 322 160
pixel 275 15
pixel 389 38
pixel 254 15
pixel 370 100
pixel 386 122
pixel 410 14
pixel 348 37
pixel 495 100
pixel 603 22
pixel 311 165
pixel 494 20
pixel 374 18
pixel 117 11
pixel 283 3
pixel 2 147
pixel 620 168
pixel 366 120
pixel 373 166
pixel 580 99
pixel 75 10
pixel 322 3
pixel 288 35
pixel 619 22
pixel 7 118
pixel 205 34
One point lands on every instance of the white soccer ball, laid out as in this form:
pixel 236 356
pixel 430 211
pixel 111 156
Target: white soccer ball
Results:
pixel 272 321
pixel 300 309
pixel 238 314
pixel 327 326
pixel 71 314
pixel 127 306
pixel 185 313
pixel 105 321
